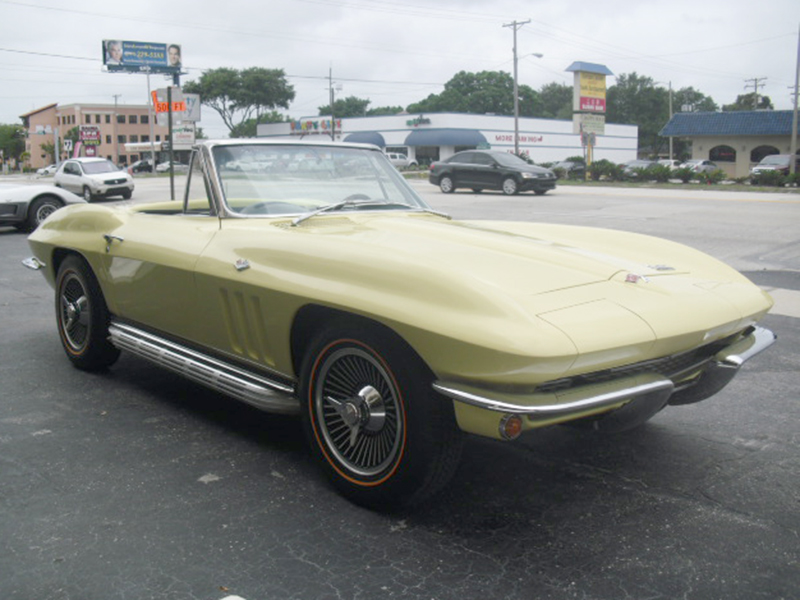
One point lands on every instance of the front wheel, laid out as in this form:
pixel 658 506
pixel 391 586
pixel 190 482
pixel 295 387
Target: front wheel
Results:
pixel 447 185
pixel 82 317
pixel 87 193
pixel 380 433
pixel 510 186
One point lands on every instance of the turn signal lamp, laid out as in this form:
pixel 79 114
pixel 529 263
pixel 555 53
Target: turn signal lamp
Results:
pixel 510 427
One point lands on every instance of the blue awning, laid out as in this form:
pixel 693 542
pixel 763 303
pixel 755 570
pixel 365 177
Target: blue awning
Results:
pixel 445 137
pixel 366 137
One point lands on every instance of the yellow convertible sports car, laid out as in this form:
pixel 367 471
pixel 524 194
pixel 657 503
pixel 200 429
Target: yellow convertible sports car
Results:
pixel 310 278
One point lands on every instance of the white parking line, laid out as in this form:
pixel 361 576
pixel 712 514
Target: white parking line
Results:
pixel 787 302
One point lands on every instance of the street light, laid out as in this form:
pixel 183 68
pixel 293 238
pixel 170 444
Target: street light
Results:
pixel 516 25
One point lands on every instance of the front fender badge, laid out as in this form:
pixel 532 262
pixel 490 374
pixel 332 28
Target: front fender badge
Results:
pixel 242 264
pixel 634 278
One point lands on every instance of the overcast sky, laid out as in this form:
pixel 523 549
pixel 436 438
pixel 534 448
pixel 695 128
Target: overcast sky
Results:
pixel 395 52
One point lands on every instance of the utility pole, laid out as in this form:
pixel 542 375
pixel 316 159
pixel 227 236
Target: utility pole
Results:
pixel 516 25
pixel 755 84
pixel 116 137
pixel 793 147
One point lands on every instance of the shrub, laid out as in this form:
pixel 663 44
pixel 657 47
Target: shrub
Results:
pixel 685 174
pixel 775 178
pixel 659 173
pixel 712 177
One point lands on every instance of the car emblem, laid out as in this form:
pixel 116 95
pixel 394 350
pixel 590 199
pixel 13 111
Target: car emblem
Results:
pixel 242 264
pixel 634 278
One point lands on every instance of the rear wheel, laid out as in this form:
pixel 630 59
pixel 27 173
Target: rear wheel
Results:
pixel 381 434
pixel 447 185
pixel 82 317
pixel 39 210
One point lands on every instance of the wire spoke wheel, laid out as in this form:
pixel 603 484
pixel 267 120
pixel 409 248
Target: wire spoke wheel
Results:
pixel 75 313
pixel 82 316
pixel 358 411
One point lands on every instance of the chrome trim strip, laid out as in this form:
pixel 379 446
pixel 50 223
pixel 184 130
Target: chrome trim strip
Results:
pixel 33 263
pixel 575 401
pixel 717 374
pixel 255 389
pixel 743 350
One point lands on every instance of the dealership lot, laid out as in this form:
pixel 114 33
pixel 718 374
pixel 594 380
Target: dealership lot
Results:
pixel 137 484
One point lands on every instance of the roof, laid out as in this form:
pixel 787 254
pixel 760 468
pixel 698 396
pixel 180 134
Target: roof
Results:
pixel 38 110
pixel 587 67
pixel 748 122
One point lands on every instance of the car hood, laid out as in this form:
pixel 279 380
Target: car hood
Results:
pixel 576 279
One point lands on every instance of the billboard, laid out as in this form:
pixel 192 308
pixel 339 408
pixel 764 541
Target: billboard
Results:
pixel 141 57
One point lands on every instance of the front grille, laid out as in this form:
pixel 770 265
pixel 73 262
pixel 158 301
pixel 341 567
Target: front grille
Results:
pixel 667 366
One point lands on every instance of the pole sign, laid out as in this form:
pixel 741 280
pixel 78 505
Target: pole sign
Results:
pixel 122 56
pixel 589 98
pixel 90 135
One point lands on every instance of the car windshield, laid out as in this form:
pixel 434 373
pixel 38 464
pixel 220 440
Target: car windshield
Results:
pixel 775 159
pixel 100 166
pixel 274 179
pixel 509 160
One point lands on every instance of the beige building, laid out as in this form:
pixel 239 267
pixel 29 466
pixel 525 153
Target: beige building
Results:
pixel 111 127
pixel 735 141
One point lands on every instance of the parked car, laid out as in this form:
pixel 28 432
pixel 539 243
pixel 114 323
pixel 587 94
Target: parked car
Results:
pixel 572 169
pixel 672 164
pixel 390 327
pixel 141 166
pixel 490 170
pixel 176 167
pixel 47 171
pixel 400 160
pixel 632 167
pixel 700 166
pixel 776 162
pixel 26 206
pixel 94 178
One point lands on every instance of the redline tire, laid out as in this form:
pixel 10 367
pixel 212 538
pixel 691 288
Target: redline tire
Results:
pixel 381 434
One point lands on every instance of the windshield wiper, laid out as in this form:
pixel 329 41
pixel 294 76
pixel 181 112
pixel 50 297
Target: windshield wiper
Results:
pixel 349 203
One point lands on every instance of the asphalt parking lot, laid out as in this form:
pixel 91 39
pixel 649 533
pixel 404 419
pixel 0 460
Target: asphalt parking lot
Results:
pixel 136 484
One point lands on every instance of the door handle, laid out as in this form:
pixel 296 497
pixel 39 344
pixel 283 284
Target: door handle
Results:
pixel 110 239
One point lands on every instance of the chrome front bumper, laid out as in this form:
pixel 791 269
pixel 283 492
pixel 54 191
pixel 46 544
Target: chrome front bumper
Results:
pixel 707 379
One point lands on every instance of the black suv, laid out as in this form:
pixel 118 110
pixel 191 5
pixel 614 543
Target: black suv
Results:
pixel 490 170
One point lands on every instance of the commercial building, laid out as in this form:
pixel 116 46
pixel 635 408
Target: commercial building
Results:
pixel 735 141
pixel 120 133
pixel 437 136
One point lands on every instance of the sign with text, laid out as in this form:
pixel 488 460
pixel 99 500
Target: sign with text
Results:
pixel 89 135
pixel 141 57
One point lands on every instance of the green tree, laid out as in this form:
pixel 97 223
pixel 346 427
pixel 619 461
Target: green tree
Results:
pixel 748 102
pixel 384 110
pixel 249 128
pixel 690 100
pixel 12 141
pixel 487 92
pixel 238 96
pixel 636 100
pixel 346 107
pixel 555 101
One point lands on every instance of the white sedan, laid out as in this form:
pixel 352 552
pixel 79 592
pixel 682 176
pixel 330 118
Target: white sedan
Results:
pixel 26 206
